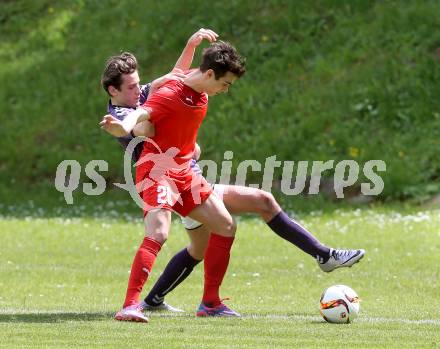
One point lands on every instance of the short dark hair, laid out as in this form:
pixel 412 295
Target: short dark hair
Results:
pixel 115 67
pixel 222 57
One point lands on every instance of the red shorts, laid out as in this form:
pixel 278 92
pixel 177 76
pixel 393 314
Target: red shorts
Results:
pixel 181 192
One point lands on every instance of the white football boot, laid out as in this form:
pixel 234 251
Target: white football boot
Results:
pixel 341 259
pixel 161 307
pixel 131 313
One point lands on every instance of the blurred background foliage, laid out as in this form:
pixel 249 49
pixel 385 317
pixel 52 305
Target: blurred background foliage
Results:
pixel 326 80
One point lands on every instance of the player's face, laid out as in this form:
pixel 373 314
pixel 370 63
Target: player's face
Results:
pixel 129 92
pixel 221 85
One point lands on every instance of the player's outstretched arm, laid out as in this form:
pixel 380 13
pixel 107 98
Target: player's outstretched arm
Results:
pixel 123 128
pixel 144 129
pixel 174 75
pixel 185 60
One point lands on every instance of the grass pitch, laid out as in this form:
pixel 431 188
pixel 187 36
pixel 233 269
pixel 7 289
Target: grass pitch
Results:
pixel 62 279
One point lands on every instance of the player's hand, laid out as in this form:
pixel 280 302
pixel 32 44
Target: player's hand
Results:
pixel 113 126
pixel 200 35
pixel 175 74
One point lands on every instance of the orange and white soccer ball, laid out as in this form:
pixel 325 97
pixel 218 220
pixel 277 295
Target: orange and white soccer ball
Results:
pixel 339 304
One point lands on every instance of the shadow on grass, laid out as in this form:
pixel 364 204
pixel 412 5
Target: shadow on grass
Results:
pixel 54 317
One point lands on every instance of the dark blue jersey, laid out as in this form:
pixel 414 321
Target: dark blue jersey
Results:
pixel 120 113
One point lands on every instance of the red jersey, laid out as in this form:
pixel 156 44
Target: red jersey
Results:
pixel 164 177
pixel 176 111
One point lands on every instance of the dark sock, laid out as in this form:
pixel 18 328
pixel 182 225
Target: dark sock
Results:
pixel 177 270
pixel 291 231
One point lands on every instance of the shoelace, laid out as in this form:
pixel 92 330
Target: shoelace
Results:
pixel 221 304
pixel 339 254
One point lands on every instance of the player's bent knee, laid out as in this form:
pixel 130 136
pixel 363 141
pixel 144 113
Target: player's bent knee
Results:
pixel 234 226
pixel 158 235
pixel 197 252
pixel 268 204
pixel 230 228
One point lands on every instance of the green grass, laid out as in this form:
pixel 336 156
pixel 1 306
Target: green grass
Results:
pixel 63 278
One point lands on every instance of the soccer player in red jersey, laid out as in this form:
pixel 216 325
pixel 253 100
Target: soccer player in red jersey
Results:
pixel 169 183
pixel 237 200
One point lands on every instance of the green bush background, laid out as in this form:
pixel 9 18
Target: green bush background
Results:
pixel 326 80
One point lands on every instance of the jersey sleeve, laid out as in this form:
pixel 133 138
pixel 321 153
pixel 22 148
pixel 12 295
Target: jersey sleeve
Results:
pixel 121 113
pixel 118 112
pixel 145 90
pixel 161 104
pixel 195 166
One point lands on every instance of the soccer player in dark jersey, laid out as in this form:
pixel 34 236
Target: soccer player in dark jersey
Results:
pixel 177 110
pixel 237 200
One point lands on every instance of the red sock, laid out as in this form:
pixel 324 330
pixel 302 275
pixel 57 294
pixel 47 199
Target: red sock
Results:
pixel 216 263
pixel 140 269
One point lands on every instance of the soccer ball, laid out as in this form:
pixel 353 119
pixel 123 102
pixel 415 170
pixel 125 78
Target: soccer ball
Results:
pixel 339 304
